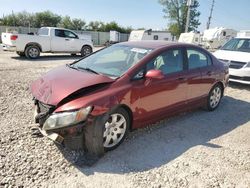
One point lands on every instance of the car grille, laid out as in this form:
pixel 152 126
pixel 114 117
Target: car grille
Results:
pixel 236 64
pixel 245 78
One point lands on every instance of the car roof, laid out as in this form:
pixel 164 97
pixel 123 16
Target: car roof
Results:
pixel 153 44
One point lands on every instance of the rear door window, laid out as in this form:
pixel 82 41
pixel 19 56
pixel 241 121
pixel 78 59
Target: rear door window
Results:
pixel 197 59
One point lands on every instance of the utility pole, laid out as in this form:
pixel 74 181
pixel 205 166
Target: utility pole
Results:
pixel 189 4
pixel 210 16
pixel 14 19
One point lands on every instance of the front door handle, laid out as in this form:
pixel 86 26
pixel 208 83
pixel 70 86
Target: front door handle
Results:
pixel 209 73
pixel 181 79
pixel 67 39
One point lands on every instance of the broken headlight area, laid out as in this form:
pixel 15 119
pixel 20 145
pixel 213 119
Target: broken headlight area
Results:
pixel 65 119
pixel 65 128
pixel 42 112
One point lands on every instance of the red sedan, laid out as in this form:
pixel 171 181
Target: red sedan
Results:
pixel 94 102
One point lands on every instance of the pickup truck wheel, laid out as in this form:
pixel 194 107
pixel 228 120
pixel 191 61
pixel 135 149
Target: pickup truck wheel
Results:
pixel 32 52
pixel 86 50
pixel 21 54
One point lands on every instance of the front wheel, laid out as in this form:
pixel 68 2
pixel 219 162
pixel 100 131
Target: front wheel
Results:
pixel 214 97
pixel 107 132
pixel 32 52
pixel 115 129
pixel 86 50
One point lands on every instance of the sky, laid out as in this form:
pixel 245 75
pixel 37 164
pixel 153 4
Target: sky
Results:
pixel 135 13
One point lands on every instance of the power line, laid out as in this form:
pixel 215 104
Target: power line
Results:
pixel 210 16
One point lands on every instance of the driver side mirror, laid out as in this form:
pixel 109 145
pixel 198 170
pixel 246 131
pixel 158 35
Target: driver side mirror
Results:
pixel 154 74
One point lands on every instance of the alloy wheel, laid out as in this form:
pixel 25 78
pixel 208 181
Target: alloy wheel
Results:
pixel 114 131
pixel 215 97
pixel 33 52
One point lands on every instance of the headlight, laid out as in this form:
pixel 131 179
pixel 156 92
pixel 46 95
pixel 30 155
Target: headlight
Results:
pixel 64 119
pixel 248 64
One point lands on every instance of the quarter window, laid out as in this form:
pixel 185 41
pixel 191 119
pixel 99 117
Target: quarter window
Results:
pixel 197 59
pixel 43 31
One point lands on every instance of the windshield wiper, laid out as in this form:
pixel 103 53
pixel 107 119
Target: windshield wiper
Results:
pixel 71 66
pixel 87 69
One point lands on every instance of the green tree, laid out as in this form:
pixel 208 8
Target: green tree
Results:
pixel 9 20
pixel 74 24
pixel 106 27
pixel 47 19
pixel 95 25
pixel 176 12
pixel 78 24
pixel 25 19
pixel 65 22
pixel 50 19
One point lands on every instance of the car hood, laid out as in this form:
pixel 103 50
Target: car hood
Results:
pixel 61 82
pixel 232 55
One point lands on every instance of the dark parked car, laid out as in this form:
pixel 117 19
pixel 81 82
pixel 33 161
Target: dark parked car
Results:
pixel 94 102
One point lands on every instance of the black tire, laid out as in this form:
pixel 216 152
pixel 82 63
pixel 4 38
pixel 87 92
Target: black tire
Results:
pixel 214 97
pixel 86 50
pixel 93 140
pixel 94 134
pixel 32 52
pixel 21 54
pixel 73 54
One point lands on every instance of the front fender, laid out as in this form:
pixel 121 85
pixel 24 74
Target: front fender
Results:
pixel 100 106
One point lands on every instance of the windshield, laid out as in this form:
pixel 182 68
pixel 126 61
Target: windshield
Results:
pixel 242 45
pixel 113 61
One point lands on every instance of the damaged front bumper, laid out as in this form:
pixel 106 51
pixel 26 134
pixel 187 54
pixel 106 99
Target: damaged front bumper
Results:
pixel 53 136
pixel 71 136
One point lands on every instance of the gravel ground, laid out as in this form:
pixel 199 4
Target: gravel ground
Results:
pixel 196 149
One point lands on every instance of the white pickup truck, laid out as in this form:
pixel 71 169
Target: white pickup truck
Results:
pixel 48 39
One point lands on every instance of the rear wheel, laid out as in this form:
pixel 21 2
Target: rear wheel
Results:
pixel 32 52
pixel 86 50
pixel 214 97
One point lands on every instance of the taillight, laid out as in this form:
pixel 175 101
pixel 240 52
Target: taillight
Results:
pixel 13 37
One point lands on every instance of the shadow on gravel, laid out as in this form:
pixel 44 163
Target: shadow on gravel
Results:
pixel 157 145
pixel 48 58
pixel 236 85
